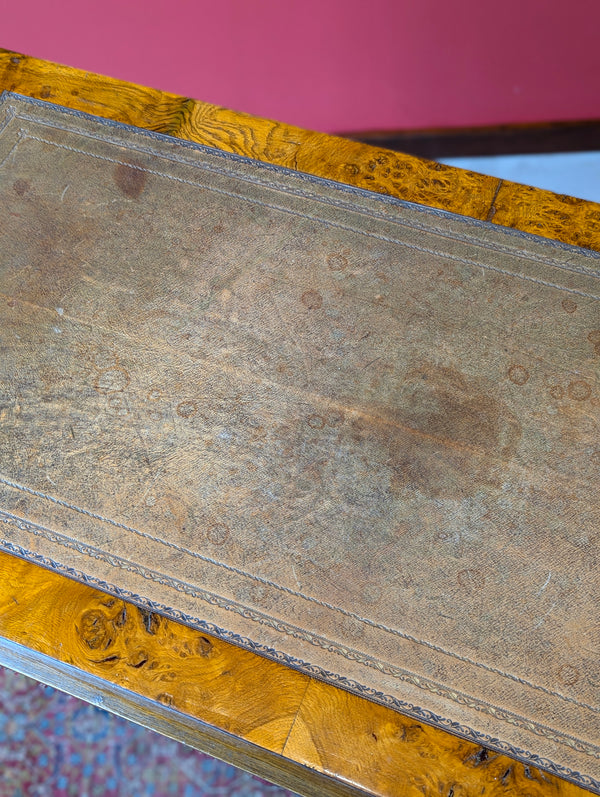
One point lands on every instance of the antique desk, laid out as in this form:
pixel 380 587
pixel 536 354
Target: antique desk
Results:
pixel 254 712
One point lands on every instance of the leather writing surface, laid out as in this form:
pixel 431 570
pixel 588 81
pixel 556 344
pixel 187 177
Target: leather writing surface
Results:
pixel 351 434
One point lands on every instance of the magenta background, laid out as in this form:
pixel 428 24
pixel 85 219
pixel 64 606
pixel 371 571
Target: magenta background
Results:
pixel 335 65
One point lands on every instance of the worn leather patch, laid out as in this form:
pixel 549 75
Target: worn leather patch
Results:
pixel 354 435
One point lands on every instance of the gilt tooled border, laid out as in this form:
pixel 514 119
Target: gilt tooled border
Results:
pixel 222 603
pixel 338 188
pixel 23 135
pixel 314 671
pixel 306 178
pixel 294 593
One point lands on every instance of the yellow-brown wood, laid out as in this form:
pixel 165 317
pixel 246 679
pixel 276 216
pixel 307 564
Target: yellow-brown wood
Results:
pixel 386 753
pixel 533 210
pixel 399 175
pixel 262 702
pixel 380 170
pixel 160 659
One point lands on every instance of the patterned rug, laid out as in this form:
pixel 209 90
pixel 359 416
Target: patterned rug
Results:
pixel 55 745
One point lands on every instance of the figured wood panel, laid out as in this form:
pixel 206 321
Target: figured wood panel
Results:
pixel 174 665
pixel 197 689
pixel 357 743
pixel 389 754
pixel 159 111
pixel 377 169
pixel 547 214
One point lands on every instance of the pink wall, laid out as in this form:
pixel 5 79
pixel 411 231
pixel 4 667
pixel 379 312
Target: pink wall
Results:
pixel 335 64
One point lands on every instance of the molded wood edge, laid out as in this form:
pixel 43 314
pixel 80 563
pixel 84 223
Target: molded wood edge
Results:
pixel 169 722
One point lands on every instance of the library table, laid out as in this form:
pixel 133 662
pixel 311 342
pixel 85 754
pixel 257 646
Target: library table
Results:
pixel 252 711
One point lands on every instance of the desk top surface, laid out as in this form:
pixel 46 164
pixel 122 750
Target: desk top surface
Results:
pixel 443 383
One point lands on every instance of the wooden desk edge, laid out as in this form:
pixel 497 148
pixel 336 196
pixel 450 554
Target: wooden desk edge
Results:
pixel 171 723
pixel 310 727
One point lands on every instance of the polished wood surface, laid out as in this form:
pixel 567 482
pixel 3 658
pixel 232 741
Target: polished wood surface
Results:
pixel 284 714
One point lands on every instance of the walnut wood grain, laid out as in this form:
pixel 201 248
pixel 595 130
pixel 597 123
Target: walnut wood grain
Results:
pixel 388 753
pixel 163 719
pixel 239 706
pixel 282 714
pixel 279 711
pixel 168 662
pixel 403 176
pixel 540 212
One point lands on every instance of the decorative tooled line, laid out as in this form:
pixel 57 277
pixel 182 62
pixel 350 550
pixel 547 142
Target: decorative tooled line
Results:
pixel 464 261
pixel 316 672
pixel 296 594
pixel 11 113
pixel 388 239
pixel 11 150
pixel 341 188
pixel 300 633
